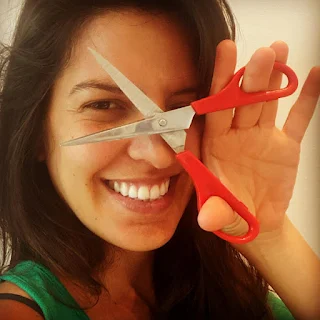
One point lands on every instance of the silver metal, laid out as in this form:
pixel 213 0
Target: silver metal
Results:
pixel 176 140
pixel 162 122
pixel 141 101
pixel 176 121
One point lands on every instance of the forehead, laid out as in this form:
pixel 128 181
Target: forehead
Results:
pixel 138 44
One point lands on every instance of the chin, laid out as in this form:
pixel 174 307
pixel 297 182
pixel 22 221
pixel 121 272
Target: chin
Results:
pixel 145 238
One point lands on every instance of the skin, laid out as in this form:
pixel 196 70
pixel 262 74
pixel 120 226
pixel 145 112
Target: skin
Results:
pixel 77 171
pixel 279 250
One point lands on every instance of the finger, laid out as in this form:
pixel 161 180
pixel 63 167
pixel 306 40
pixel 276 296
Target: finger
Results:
pixel 302 111
pixel 256 78
pixel 269 109
pixel 215 214
pixel 226 56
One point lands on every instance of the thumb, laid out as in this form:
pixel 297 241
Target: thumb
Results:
pixel 216 214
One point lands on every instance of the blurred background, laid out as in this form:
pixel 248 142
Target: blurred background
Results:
pixel 259 23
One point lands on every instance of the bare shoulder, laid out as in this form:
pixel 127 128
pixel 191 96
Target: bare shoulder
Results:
pixel 8 287
pixel 15 310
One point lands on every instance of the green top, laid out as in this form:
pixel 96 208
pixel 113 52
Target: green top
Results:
pixel 46 290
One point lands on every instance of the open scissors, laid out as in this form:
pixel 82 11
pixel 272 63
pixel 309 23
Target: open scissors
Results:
pixel 171 126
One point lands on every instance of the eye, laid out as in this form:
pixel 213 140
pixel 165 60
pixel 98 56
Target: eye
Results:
pixel 103 105
pixel 179 105
pixel 174 107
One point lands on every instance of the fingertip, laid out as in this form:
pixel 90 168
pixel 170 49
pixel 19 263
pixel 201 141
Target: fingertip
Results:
pixel 281 50
pixel 262 54
pixel 226 49
pixel 315 72
pixel 224 65
pixel 311 87
pixel 215 214
pixel 279 44
pixel 204 222
pixel 230 44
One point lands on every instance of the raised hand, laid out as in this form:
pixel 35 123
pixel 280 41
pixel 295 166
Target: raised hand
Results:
pixel 255 160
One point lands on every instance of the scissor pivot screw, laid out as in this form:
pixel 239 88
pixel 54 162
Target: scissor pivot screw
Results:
pixel 162 122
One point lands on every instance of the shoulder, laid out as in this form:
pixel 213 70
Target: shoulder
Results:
pixel 15 310
pixel 8 287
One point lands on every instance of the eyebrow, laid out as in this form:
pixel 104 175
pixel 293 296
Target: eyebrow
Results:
pixel 94 84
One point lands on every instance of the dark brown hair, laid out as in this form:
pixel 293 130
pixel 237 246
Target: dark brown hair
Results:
pixel 196 275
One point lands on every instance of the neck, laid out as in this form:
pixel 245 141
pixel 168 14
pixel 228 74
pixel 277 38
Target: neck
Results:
pixel 130 274
pixel 129 287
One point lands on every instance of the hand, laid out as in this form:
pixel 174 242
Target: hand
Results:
pixel 255 160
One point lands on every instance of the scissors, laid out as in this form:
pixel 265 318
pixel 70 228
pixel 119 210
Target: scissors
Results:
pixel 171 126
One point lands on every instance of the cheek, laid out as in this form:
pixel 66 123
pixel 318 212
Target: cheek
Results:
pixel 79 165
pixel 91 155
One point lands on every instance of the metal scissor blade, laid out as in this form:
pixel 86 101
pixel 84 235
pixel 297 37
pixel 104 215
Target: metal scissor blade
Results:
pixel 164 123
pixel 141 101
pixel 176 140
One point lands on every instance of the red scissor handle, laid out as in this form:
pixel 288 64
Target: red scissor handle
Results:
pixel 233 96
pixel 207 185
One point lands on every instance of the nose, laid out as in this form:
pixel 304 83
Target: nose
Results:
pixel 152 149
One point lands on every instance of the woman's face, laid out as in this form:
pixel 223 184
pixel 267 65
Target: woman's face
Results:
pixel 132 193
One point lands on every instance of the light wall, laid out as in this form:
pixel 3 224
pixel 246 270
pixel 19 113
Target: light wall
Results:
pixel 259 24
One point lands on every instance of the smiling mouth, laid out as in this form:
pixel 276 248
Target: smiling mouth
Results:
pixel 144 192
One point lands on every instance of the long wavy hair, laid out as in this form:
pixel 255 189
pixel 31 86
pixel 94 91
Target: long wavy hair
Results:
pixel 196 274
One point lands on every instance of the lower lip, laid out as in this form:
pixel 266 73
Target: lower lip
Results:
pixel 145 207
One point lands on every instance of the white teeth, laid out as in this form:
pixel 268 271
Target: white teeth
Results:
pixel 163 189
pixel 142 192
pixel 133 192
pixel 116 186
pixel 124 189
pixel 154 192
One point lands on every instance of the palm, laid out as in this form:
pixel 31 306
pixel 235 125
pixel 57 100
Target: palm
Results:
pixel 259 166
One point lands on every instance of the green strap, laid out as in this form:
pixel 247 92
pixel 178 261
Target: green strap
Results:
pixel 46 290
pixel 279 309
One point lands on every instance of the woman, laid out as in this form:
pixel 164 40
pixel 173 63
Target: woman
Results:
pixel 83 245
